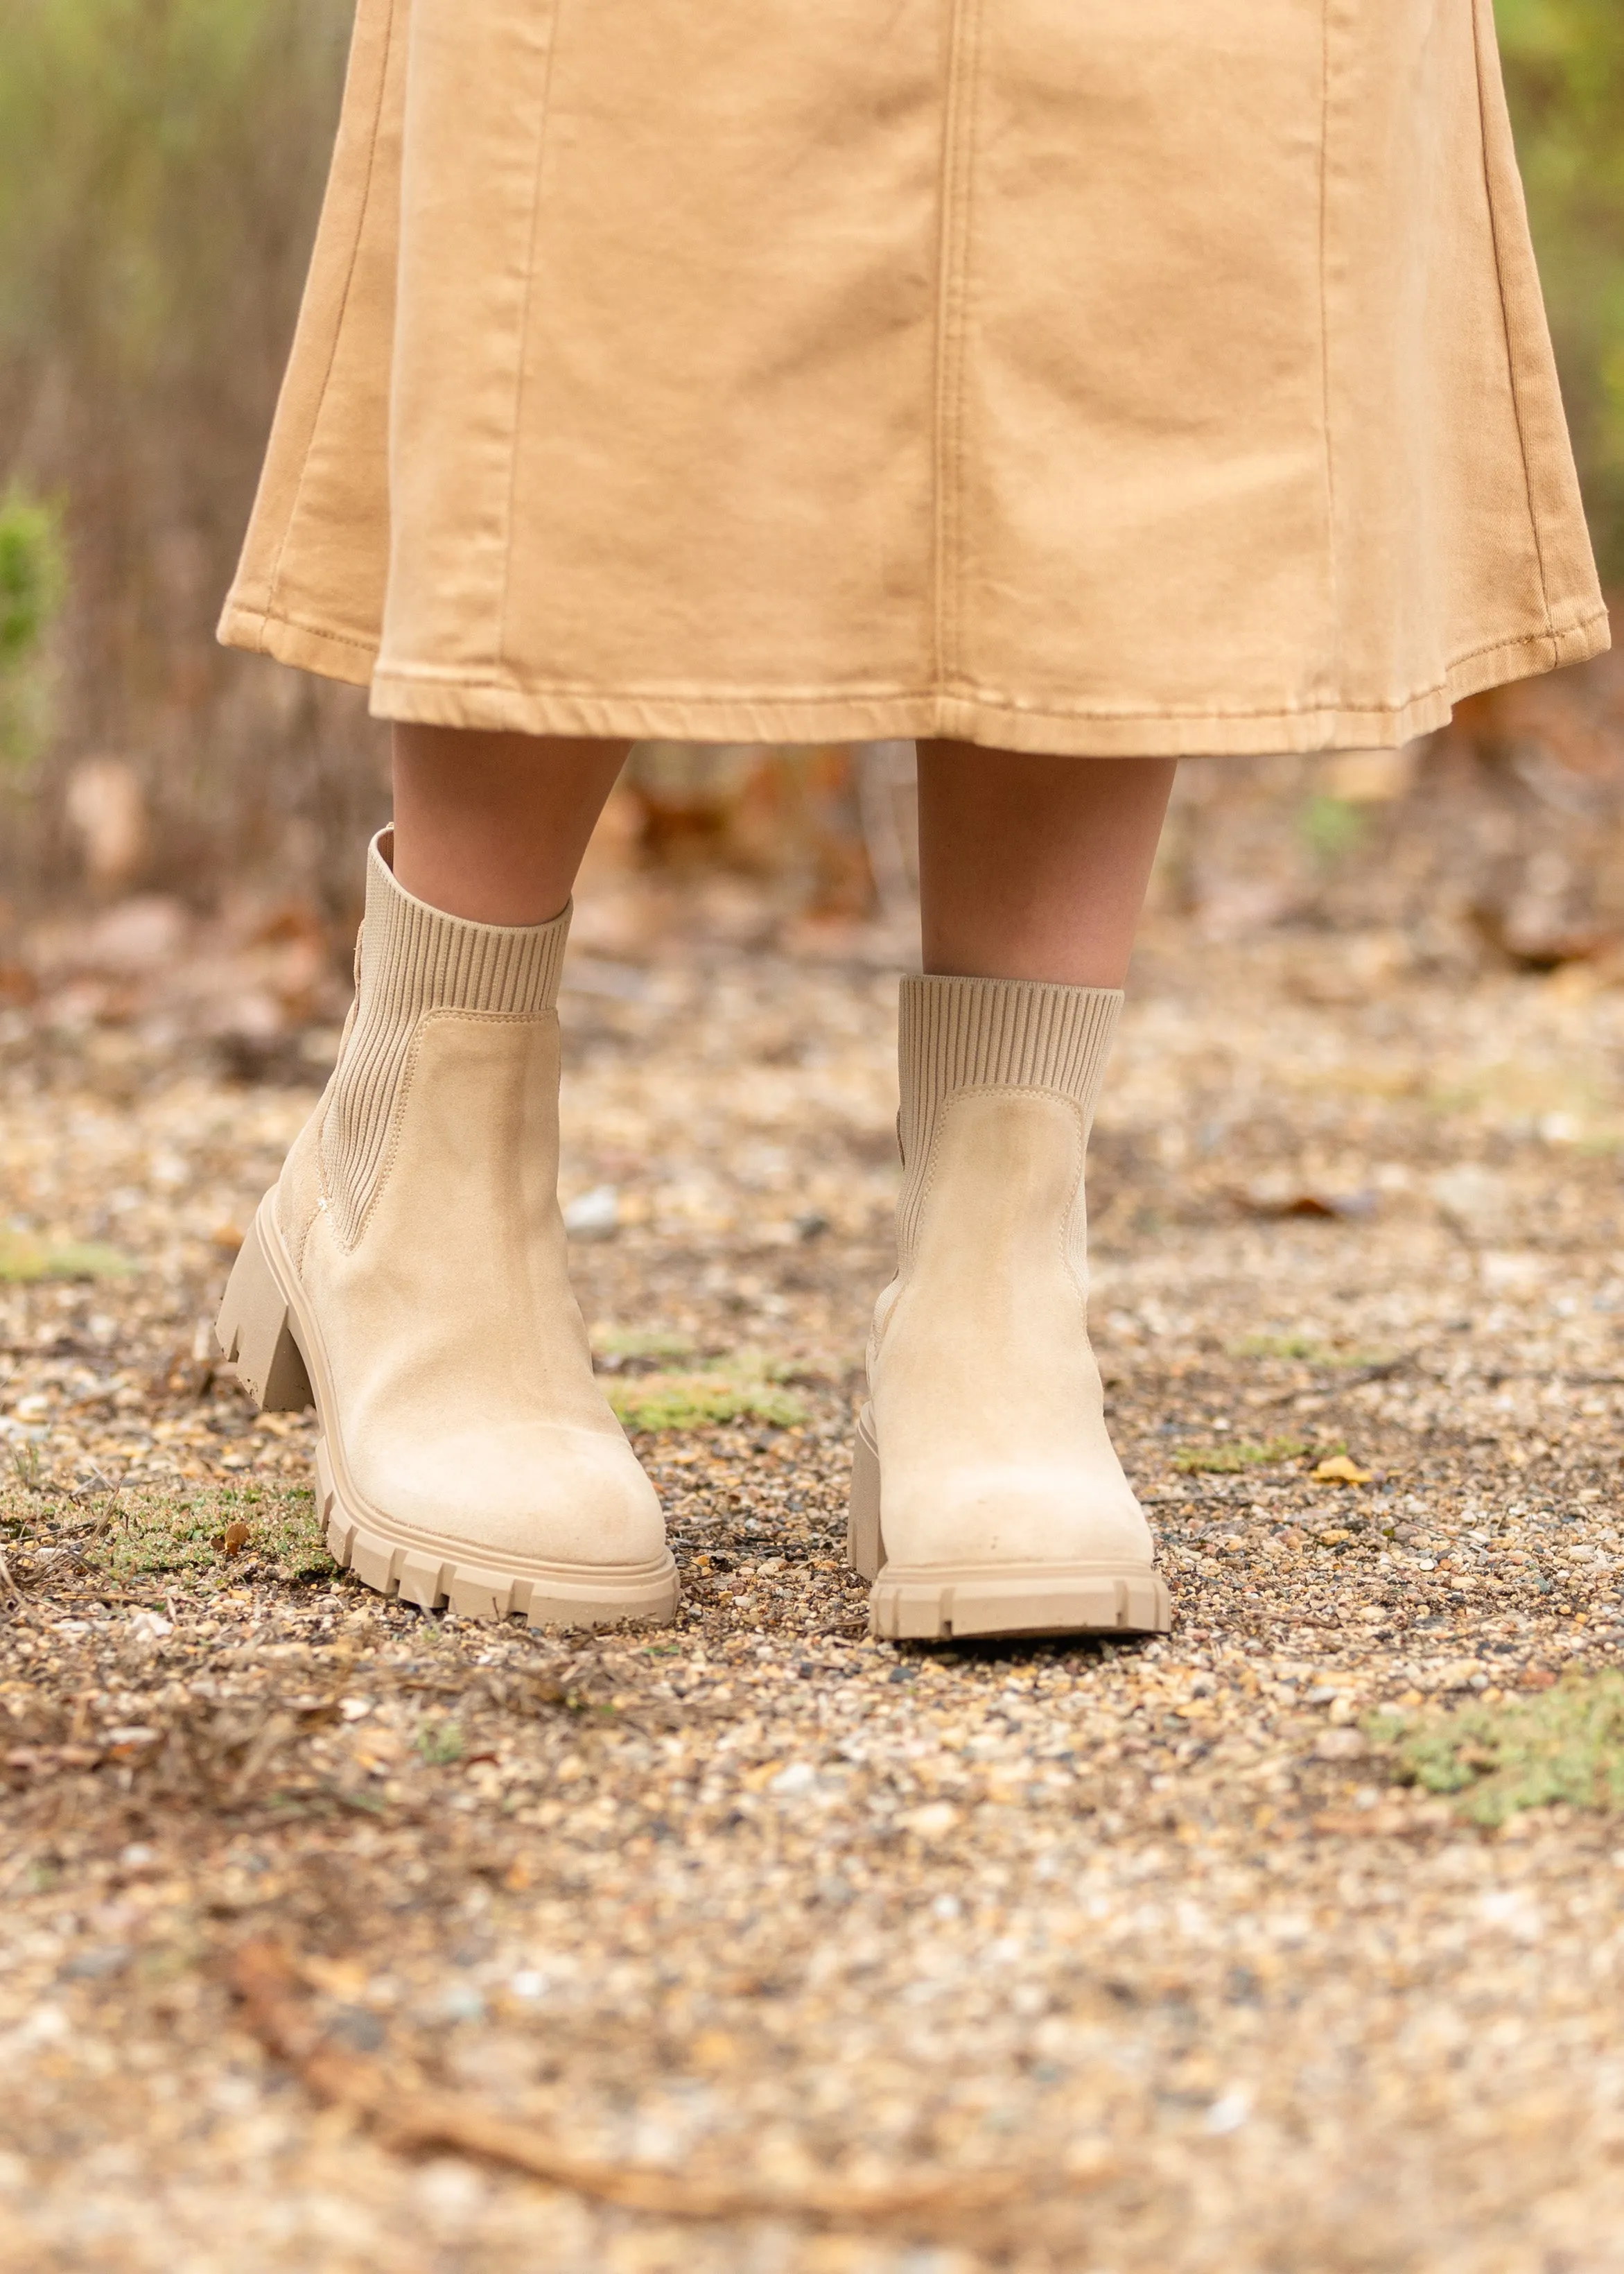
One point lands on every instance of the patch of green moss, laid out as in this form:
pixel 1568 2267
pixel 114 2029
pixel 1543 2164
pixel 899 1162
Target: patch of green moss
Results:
pixel 1225 1460
pixel 747 1385
pixel 1278 1346
pixel 441 1743
pixel 632 1343
pixel 149 1535
pixel 1565 1743
pixel 1304 1348
pixel 1332 827
pixel 695 1401
pixel 25 1259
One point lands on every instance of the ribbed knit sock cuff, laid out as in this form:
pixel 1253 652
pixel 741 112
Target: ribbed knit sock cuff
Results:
pixel 998 1034
pixel 416 959
pixel 958 1034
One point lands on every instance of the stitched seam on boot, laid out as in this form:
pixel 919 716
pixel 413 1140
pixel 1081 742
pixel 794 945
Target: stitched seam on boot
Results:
pixel 878 1329
pixel 297 1245
pixel 927 1175
pixel 324 1174
pixel 1075 1194
pixel 447 1015
pixel 294 1230
pixel 933 1160
pixel 1007 1089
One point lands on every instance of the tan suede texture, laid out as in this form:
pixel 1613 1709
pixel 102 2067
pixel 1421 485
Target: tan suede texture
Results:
pixel 988 1410
pixel 460 1364
pixel 1135 378
pixel 419 1210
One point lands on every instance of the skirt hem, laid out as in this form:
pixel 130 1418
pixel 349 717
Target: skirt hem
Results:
pixel 968 713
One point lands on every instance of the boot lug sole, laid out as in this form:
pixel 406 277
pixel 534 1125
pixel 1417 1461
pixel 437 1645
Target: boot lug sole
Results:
pixel 962 1602
pixel 277 1358
pixel 956 1602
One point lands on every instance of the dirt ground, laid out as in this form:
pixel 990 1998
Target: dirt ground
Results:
pixel 779 1948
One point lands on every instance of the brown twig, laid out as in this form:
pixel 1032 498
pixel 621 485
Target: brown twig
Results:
pixel 407 2117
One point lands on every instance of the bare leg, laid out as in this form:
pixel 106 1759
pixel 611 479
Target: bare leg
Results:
pixel 491 827
pixel 1034 867
pixel 430 1264
pixel 987 1498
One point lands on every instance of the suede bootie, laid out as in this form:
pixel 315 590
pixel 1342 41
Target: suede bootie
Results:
pixel 987 1498
pixel 407 1275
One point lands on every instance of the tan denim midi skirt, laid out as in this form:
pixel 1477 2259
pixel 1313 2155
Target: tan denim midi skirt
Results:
pixel 1113 377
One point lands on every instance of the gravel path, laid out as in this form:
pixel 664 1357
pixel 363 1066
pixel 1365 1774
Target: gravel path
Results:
pixel 889 1959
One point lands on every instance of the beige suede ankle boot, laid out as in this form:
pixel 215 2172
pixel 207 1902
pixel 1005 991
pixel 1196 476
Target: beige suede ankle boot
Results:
pixel 407 1274
pixel 987 1498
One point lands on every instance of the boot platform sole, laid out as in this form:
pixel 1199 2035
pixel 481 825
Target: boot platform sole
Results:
pixel 944 1602
pixel 277 1357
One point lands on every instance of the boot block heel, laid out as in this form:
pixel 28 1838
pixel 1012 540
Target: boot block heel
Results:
pixel 255 1332
pixel 865 1549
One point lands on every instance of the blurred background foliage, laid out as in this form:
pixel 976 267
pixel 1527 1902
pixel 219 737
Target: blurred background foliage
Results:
pixel 34 583
pixel 1564 76
pixel 161 171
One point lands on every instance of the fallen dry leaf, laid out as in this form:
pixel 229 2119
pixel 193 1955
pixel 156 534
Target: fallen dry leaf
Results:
pixel 1268 1196
pixel 1337 1469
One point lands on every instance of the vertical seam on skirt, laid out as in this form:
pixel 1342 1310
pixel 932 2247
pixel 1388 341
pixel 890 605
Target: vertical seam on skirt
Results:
pixel 1333 558
pixel 970 89
pixel 943 203
pixel 275 581
pixel 554 15
pixel 1512 374
pixel 950 231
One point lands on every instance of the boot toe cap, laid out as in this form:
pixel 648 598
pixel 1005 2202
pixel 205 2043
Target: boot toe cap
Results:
pixel 545 1494
pixel 1012 1514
